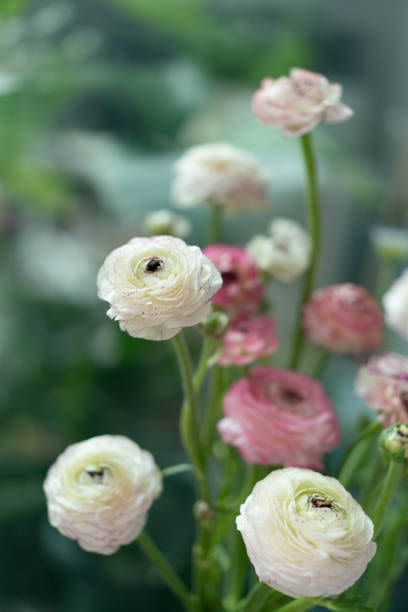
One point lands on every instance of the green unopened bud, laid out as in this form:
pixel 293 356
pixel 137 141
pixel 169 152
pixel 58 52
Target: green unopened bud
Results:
pixel 165 222
pixel 216 324
pixel 394 443
pixel 202 511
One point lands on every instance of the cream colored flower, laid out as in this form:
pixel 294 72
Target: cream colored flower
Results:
pixel 305 534
pixel 157 286
pixel 396 305
pixel 164 221
pixel 99 492
pixel 284 254
pixel 220 174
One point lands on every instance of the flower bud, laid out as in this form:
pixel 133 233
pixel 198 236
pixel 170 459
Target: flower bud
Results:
pixel 99 492
pixel 165 222
pixel 394 443
pixel 216 324
pixel 305 534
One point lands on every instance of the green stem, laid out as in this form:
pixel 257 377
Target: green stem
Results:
pixel 214 408
pixel 202 366
pixel 165 570
pixel 390 484
pixel 215 223
pixel 312 197
pixel 300 605
pixel 189 420
pixel 173 470
pixel 257 597
pixel 357 453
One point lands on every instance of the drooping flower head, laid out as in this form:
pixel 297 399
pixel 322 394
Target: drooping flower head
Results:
pixel 344 319
pixel 247 340
pixel 296 104
pixel 276 416
pixel 396 305
pixel 99 492
pixel 383 384
pixel 305 534
pixel 157 286
pixel 220 174
pixel 165 222
pixel 284 254
pixel 242 289
pixel 394 443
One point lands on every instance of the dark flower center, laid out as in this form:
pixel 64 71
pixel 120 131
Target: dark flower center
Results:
pixel 321 502
pixel 97 475
pixel 229 277
pixel 291 396
pixel 154 264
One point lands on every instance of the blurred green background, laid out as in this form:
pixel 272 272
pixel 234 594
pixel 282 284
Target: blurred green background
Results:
pixel 97 100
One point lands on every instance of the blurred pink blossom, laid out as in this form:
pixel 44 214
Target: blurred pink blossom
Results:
pixel 247 340
pixel 277 416
pixel 296 104
pixel 383 385
pixel 242 288
pixel 344 319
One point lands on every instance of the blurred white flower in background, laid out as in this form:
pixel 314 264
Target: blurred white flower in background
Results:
pixel 165 222
pixel 220 174
pixel 284 254
pixel 305 534
pixel 99 492
pixel 395 303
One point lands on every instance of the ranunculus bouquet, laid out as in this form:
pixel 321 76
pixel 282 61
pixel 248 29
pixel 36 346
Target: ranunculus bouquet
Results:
pixel 273 532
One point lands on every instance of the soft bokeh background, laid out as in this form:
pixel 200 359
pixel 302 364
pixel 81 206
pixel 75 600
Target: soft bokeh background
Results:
pixel 97 100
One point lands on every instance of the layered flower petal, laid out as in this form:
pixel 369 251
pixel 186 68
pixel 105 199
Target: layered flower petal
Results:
pixel 157 286
pixel 247 340
pixel 305 534
pixel 99 492
pixel 276 416
pixel 296 104
pixel 242 289
pixel 344 319
pixel 383 384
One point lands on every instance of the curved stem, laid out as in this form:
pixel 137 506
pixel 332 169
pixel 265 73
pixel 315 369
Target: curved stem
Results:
pixel 189 420
pixel 166 571
pixel 356 454
pixel 202 366
pixel 390 484
pixel 174 470
pixel 215 223
pixel 312 198
pixel 257 597
pixel 301 605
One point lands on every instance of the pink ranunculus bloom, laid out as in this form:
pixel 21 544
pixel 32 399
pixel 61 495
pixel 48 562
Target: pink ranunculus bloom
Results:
pixel 383 384
pixel 247 340
pixel 242 288
pixel 344 319
pixel 296 104
pixel 277 416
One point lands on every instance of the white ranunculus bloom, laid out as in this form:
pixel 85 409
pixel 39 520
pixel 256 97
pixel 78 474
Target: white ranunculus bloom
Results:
pixel 305 534
pixel 220 174
pixel 164 221
pixel 157 286
pixel 284 254
pixel 99 492
pixel 395 303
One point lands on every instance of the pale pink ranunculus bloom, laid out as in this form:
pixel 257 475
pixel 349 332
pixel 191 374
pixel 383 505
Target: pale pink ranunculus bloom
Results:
pixel 296 104
pixel 242 288
pixel 344 319
pixel 247 340
pixel 276 416
pixel 395 303
pixel 383 385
